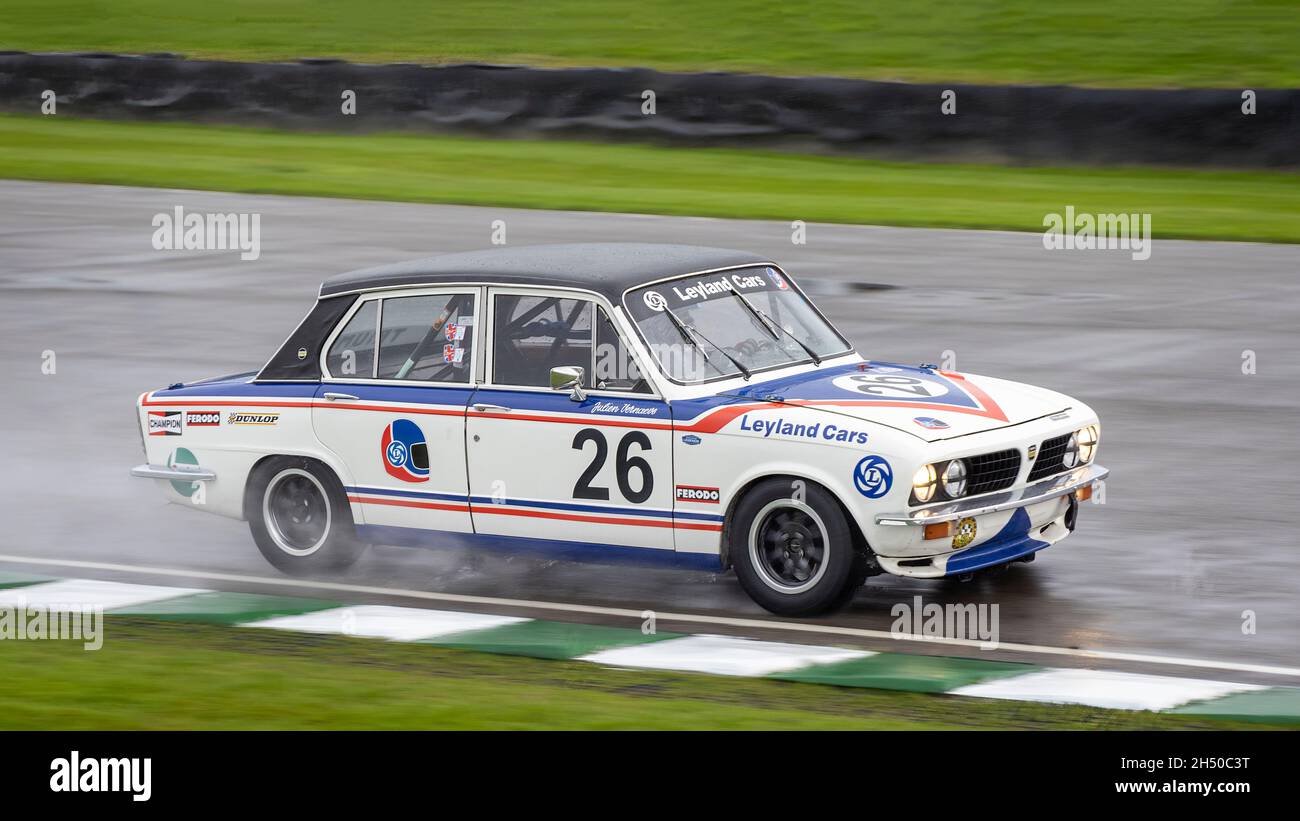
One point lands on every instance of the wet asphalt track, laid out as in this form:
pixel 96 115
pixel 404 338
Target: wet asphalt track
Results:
pixel 1200 521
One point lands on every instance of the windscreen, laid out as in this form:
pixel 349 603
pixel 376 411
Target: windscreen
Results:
pixel 702 328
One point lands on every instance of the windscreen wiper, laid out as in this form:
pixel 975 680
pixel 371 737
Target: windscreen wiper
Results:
pixel 689 332
pixel 770 323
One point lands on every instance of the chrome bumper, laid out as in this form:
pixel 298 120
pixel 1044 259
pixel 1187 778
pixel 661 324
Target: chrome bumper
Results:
pixel 1041 491
pixel 178 473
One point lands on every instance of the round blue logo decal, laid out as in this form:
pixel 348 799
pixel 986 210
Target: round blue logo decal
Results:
pixel 873 477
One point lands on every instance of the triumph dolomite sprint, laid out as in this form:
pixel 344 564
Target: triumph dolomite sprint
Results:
pixel 607 401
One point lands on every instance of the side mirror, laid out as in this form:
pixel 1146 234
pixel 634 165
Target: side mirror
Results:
pixel 569 378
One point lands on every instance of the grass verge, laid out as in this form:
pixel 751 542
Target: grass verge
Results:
pixel 1193 204
pixel 154 675
pixel 1243 44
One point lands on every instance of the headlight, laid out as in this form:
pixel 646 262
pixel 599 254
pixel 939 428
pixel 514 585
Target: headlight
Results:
pixel 954 478
pixel 924 482
pixel 1070 457
pixel 1087 438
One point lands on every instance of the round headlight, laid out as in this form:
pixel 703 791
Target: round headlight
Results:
pixel 1087 443
pixel 924 482
pixel 954 478
pixel 1070 457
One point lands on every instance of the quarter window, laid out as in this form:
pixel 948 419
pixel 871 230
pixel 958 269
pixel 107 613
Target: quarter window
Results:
pixel 615 366
pixel 352 356
pixel 427 338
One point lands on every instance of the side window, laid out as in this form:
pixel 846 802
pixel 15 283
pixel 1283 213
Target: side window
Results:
pixel 532 334
pixel 352 356
pixel 427 338
pixel 616 368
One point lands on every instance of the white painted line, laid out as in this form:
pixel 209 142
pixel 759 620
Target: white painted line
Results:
pixel 1100 688
pixel 382 622
pixel 723 656
pixel 81 594
pixel 685 618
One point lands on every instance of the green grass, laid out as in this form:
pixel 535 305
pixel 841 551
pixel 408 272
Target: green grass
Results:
pixel 599 177
pixel 154 675
pixel 1244 43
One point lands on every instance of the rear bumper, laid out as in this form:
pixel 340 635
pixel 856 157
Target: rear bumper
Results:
pixel 177 473
pixel 1042 491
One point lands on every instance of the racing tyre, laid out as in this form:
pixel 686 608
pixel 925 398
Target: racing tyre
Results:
pixel 795 557
pixel 300 516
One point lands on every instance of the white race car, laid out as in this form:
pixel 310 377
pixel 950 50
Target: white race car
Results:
pixel 608 401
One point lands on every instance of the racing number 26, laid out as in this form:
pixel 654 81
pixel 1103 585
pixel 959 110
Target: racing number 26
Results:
pixel 623 466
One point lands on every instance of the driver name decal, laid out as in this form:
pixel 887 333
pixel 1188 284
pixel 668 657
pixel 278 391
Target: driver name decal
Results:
pixel 625 407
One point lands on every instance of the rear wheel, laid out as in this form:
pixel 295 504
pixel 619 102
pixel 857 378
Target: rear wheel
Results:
pixel 300 517
pixel 794 554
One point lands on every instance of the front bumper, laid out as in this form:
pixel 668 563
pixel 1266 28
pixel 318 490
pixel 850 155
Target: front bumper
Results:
pixel 1041 491
pixel 176 473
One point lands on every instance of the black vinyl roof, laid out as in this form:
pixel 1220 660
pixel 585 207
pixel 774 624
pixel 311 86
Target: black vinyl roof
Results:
pixel 609 268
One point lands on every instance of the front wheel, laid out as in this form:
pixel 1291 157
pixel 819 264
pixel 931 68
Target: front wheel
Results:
pixel 794 554
pixel 300 516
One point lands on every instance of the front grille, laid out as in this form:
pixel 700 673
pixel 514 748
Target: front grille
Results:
pixel 1051 456
pixel 992 471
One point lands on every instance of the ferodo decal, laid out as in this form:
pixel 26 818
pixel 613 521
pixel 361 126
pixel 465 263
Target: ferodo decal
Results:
pixel 182 456
pixel 202 419
pixel 692 493
pixel 165 423
pixel 873 477
pixel 405 451
pixel 244 418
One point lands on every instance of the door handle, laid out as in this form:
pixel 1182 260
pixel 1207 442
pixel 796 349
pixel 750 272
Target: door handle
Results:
pixel 487 406
pixel 331 396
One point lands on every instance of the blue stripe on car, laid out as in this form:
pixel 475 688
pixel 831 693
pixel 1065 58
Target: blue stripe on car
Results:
pixel 1011 542
pixel 551 548
pixel 488 500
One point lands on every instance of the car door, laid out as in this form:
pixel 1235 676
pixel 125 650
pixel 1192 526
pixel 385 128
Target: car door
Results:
pixel 399 372
pixel 593 473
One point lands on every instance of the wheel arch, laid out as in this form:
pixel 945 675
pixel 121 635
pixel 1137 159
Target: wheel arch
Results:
pixel 266 457
pixel 859 538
